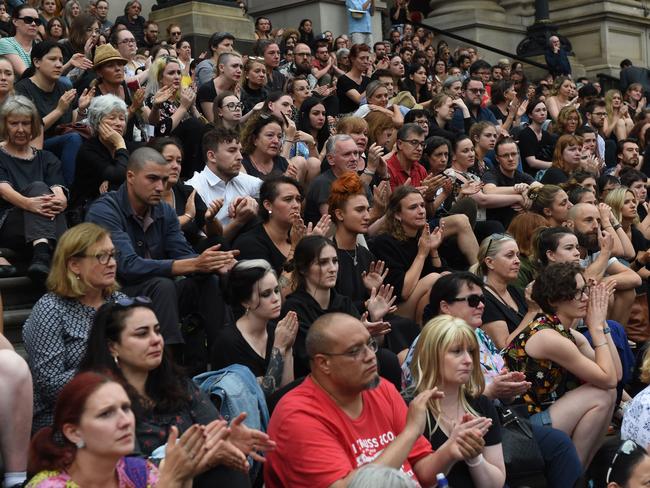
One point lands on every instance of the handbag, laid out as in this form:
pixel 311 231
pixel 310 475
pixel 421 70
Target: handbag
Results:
pixel 83 130
pixel 521 452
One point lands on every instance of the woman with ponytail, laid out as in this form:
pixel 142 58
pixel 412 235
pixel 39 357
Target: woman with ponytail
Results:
pixel 93 432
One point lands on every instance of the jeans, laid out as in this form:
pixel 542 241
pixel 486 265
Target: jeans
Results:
pixel 563 466
pixel 65 147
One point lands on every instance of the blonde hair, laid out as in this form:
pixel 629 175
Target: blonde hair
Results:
pixel 75 242
pixel 645 366
pixel 609 97
pixel 490 247
pixel 156 72
pixel 615 199
pixel 438 336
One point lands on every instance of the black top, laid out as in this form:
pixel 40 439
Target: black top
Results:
pixel 134 26
pixel 495 310
pixel 45 102
pixel 498 114
pixel 318 193
pixel 67 50
pixel 256 244
pixel 206 93
pixel 348 281
pixel 343 85
pixel 308 310
pixel 19 173
pixel 496 177
pixel 398 256
pixel 94 165
pixel 554 176
pixel 250 97
pixel 280 165
pixel 530 146
pixel 232 348
pixel 459 474
pixel 192 230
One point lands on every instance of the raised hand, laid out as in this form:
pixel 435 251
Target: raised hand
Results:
pixel 321 228
pixel 597 308
pixel 285 332
pixel 187 97
pixel 375 276
pixel 417 413
pixel 466 437
pixel 378 328
pixel 507 385
pixel 213 209
pixel 182 456
pixel 66 99
pixel 162 95
pixel 381 195
pixel 381 302
pixel 79 60
pixel 249 441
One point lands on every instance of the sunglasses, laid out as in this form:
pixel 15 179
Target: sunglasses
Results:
pixel 627 448
pixel 472 300
pixel 30 20
pixel 133 302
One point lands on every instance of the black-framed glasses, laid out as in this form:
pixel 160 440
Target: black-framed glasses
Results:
pixel 128 41
pixel 627 448
pixel 27 19
pixel 232 106
pixel 357 352
pixel 477 91
pixel 414 142
pixel 103 257
pixel 585 290
pixel 472 300
pixel 133 301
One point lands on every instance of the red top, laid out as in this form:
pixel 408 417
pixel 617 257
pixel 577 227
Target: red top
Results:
pixel 398 176
pixel 319 444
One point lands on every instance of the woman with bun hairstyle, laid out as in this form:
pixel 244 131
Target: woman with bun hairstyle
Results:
pixel 551 202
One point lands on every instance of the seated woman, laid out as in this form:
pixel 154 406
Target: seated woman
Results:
pixel 548 350
pixel 101 160
pixel 173 112
pixel 359 272
pixel 619 122
pixel 416 83
pixel 535 143
pixel 567 157
pixel 257 340
pixel 77 49
pixel 253 87
pixel 31 188
pixel 261 139
pixel 82 278
pixel 126 340
pixel 92 435
pixel 410 251
pixel 196 219
pixel 484 136
pixel 314 277
pixel 298 89
pixel 563 93
pixel 523 229
pixel 312 120
pixel 377 101
pixel 227 111
pixel 568 122
pixel 351 87
pixel 447 357
pixel 551 202
pixel 54 102
pixel 442 107
pixel 507 309
pixel 505 106
pixel 371 163
pixel 630 466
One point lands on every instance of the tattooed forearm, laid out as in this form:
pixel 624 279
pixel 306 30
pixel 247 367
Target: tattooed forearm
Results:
pixel 273 377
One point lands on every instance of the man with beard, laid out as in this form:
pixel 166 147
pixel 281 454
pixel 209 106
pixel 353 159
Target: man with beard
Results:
pixel 596 257
pixel 627 156
pixel 344 416
pixel 150 34
pixel 595 114
pixel 472 92
pixel 151 251
pixel 301 65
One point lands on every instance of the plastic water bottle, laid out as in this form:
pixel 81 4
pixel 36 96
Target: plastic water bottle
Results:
pixel 442 481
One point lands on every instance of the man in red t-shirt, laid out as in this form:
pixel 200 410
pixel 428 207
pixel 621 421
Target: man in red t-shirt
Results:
pixel 344 416
pixel 405 162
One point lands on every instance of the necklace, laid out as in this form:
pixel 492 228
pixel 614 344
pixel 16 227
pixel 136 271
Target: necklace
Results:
pixel 353 256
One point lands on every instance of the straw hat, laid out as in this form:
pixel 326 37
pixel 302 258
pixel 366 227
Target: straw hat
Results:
pixel 106 53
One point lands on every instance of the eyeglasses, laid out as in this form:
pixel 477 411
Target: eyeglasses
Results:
pixel 127 302
pixel 30 20
pixel 357 352
pixel 128 41
pixel 599 114
pixel 472 300
pixel 233 106
pixel 307 55
pixel 103 257
pixel 585 290
pixel 414 142
pixel 477 91
pixel 627 448
pixel 175 33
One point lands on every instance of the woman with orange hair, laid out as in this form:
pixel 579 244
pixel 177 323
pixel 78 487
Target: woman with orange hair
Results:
pixel 523 228
pixel 566 159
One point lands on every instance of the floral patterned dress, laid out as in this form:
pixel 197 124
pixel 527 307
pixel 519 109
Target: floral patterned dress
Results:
pixel 547 378
pixel 130 474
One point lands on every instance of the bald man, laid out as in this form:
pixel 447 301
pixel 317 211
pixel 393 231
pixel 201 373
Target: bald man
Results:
pixel 344 416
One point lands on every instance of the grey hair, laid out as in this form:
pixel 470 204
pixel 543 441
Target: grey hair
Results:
pixel 344 51
pixel 102 106
pixel 20 105
pixel 450 80
pixel 377 476
pixel 247 264
pixel 373 86
pixel 330 145
pixel 144 155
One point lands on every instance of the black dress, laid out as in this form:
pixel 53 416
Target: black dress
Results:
pixel 280 165
pixel 256 244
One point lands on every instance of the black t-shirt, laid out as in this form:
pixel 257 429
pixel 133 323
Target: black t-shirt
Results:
pixel 498 114
pixel 348 281
pixel 496 177
pixel 495 310
pixel 554 176
pixel 232 348
pixel 45 102
pixel 343 85
pixel 205 93
pixel 318 193
pixel 256 244
pixel 530 146
pixel 280 165
pixel 459 474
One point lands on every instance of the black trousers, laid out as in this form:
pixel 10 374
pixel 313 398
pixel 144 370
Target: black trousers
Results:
pixel 21 228
pixel 174 299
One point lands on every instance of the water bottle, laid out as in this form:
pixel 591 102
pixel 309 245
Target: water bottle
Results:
pixel 442 481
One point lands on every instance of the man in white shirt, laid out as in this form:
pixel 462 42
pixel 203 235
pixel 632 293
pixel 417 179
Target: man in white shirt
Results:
pixel 222 184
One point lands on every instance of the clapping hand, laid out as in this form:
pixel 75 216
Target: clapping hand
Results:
pixel 375 276
pixel 466 437
pixel 249 441
pixel 381 302
pixel 285 332
pixel 378 328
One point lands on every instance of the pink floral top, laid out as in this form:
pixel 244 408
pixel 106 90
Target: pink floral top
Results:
pixel 61 479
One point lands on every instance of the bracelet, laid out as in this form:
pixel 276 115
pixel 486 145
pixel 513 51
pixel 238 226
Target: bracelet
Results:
pixel 437 256
pixel 617 226
pixel 479 460
pixel 188 216
pixel 606 329
pixel 601 344
pixel 366 171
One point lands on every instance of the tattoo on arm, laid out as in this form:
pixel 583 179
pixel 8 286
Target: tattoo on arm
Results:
pixel 273 377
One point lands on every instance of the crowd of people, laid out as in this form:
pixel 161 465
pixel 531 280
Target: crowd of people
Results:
pixel 334 262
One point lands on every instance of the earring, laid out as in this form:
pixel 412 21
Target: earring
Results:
pixel 117 363
pixel 247 310
pixel 80 444
pixel 78 277
pixel 270 212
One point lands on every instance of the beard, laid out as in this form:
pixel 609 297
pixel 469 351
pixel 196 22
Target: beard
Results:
pixel 372 384
pixel 588 241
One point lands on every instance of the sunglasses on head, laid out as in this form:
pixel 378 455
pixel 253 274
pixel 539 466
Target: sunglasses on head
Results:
pixel 127 302
pixel 30 20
